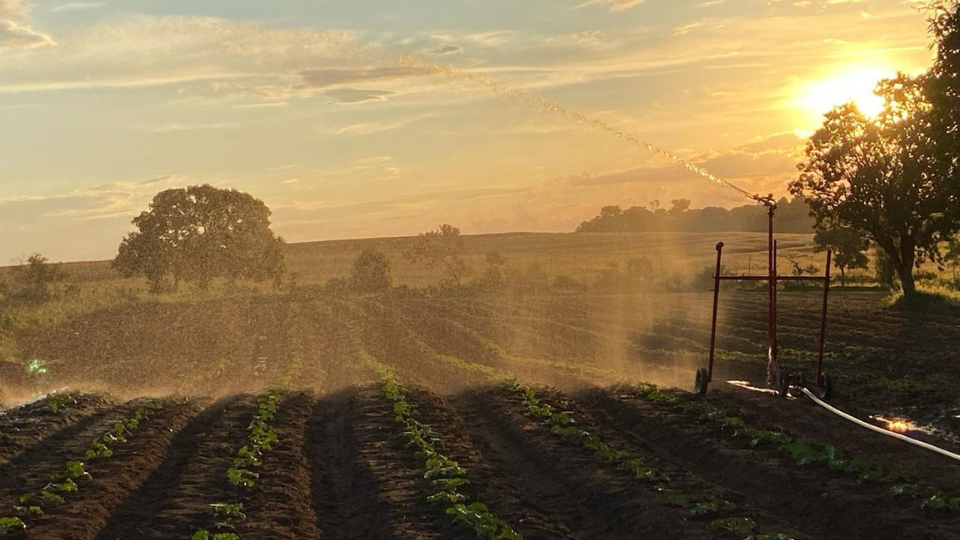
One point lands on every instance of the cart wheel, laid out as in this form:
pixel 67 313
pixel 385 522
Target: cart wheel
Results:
pixel 703 380
pixel 824 387
pixel 783 389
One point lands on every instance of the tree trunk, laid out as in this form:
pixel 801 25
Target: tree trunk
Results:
pixel 907 258
pixel 905 271
pixel 843 276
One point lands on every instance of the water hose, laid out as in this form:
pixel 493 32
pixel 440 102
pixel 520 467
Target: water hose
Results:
pixel 872 427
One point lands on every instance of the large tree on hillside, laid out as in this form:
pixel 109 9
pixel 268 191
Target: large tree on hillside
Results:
pixel 199 233
pixel 882 177
pixel 440 248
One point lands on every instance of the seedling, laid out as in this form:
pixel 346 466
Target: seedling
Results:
pixel 228 510
pixel 736 525
pixel 11 525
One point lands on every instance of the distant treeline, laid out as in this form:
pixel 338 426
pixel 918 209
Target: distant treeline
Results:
pixel 793 216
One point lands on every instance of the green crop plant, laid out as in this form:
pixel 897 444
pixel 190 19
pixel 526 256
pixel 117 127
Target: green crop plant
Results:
pixel 10 525
pixel 59 401
pixel 228 510
pixel 207 535
pixel 735 525
pixel 260 438
pixel 711 507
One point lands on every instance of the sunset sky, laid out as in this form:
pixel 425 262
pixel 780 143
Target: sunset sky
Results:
pixel 307 105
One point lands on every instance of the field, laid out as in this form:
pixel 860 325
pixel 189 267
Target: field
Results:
pixel 408 416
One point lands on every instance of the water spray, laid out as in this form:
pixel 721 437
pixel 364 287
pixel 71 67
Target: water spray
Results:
pixel 543 104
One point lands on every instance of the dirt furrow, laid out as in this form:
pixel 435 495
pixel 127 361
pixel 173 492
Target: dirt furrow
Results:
pixel 85 513
pixel 499 489
pixel 23 428
pixel 346 496
pixel 174 499
pixel 31 470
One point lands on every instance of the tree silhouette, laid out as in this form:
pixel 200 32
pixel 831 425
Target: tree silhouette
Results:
pixel 371 272
pixel 848 249
pixel 441 248
pixel 882 177
pixel 198 233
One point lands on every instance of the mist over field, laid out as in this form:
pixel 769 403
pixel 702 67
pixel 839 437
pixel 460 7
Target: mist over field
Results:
pixel 560 269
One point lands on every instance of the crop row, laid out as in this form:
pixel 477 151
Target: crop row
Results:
pixel 564 426
pixel 242 472
pixel 69 479
pixel 803 452
pixel 445 474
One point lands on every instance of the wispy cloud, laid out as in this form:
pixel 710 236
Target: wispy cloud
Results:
pixel 77 6
pixel 15 29
pixel 613 5
pixel 174 127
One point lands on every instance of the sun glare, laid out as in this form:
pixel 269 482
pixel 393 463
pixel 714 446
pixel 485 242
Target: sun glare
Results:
pixel 818 97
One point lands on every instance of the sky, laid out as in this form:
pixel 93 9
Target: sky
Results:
pixel 368 118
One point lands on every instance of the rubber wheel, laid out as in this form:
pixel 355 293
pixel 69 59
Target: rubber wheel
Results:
pixel 825 389
pixel 703 381
pixel 783 389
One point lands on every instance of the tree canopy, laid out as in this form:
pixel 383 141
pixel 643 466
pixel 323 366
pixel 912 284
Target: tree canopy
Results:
pixel 882 177
pixel 793 216
pixel 441 248
pixel 371 272
pixel 199 233
pixel 848 249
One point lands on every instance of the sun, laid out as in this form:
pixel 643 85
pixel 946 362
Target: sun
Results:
pixel 857 85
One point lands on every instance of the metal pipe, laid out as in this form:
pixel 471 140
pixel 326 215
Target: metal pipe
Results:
pixel 879 430
pixel 716 305
pixel 767 278
pixel 823 320
pixel 772 378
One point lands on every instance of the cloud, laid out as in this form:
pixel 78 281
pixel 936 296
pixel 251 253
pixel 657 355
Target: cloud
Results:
pixel 239 60
pixel 323 78
pixel 354 96
pixel 444 50
pixel 174 127
pixel 77 6
pixel 15 29
pixel 613 5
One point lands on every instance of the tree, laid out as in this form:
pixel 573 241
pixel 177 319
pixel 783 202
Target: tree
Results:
pixel 36 278
pixel 371 272
pixel 952 257
pixel 198 233
pixel 848 249
pixel 441 248
pixel 679 205
pixel 943 86
pixel 882 177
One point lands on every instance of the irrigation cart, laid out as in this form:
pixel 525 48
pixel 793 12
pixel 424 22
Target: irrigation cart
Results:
pixel 777 377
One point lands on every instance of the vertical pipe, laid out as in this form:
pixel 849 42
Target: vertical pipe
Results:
pixel 773 372
pixel 716 305
pixel 823 320
pixel 776 294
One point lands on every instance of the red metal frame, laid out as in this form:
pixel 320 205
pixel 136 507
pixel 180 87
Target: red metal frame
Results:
pixel 773 280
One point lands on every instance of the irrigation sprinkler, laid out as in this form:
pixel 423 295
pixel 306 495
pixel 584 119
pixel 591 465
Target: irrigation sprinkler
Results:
pixel 777 377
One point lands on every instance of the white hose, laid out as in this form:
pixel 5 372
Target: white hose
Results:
pixel 872 427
